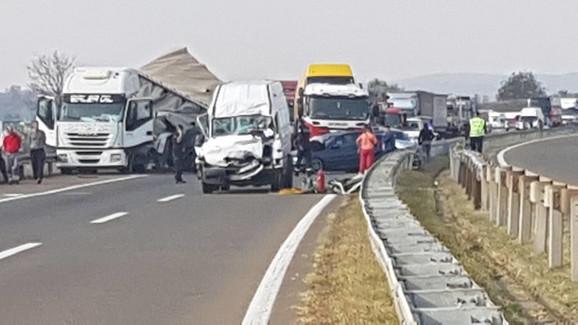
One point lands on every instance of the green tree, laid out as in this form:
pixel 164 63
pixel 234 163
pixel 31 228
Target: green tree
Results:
pixel 520 85
pixel 378 89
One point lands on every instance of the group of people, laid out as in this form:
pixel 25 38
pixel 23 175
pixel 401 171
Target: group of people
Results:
pixel 11 148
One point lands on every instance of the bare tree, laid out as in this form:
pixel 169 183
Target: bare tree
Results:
pixel 47 73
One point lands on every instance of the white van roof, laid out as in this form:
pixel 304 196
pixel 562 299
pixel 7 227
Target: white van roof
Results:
pixel 240 98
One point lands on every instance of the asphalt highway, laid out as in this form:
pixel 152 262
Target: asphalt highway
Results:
pixel 556 159
pixel 140 251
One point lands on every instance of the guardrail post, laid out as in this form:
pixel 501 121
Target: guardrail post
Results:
pixel 513 202
pixel 555 226
pixel 484 187
pixel 461 172
pixel 541 216
pixel 502 206
pixel 573 200
pixel 525 219
pixel 492 172
pixel 468 178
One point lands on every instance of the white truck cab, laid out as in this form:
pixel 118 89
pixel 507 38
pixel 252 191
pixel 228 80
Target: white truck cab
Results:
pixel 100 121
pixel 248 137
pixel 530 117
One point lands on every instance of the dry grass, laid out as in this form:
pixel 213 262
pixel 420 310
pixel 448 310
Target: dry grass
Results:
pixel 513 276
pixel 347 285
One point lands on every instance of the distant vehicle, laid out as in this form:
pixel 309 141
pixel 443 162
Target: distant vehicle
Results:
pixel 422 103
pixel 552 116
pixel 332 74
pixel 248 138
pixel 394 117
pixel 338 151
pixel 290 91
pixel 402 140
pixel 414 125
pixel 326 107
pixel 530 117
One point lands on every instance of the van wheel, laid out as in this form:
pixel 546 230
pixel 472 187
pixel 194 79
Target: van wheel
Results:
pixel 288 182
pixel 209 188
pixel 277 181
pixel 66 171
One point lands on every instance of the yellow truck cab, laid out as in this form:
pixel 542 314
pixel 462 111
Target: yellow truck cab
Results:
pixel 323 73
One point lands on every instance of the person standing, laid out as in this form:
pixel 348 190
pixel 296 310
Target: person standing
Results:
pixel 11 146
pixel 425 138
pixel 37 140
pixel 303 145
pixel 477 132
pixel 366 143
pixel 179 153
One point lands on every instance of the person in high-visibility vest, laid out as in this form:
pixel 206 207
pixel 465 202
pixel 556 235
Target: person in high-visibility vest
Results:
pixel 477 131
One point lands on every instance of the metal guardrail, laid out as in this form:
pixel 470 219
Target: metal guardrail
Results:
pixel 531 207
pixel 428 284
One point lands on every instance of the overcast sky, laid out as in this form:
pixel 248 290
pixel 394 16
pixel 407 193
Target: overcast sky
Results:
pixel 277 39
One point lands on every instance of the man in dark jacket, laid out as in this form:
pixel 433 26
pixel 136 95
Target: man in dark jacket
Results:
pixel 425 138
pixel 303 145
pixel 179 149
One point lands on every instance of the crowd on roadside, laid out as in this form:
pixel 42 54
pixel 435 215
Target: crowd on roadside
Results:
pixel 11 149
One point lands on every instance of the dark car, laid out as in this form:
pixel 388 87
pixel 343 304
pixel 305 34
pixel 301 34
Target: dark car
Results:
pixel 338 151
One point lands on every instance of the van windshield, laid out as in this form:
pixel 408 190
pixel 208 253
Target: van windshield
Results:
pixel 240 125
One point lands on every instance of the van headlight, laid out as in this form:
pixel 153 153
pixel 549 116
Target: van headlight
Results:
pixel 116 157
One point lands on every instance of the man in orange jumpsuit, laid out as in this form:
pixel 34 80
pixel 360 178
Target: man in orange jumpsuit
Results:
pixel 366 143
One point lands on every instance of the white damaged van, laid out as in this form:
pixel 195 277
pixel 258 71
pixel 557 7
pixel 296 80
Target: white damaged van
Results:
pixel 247 137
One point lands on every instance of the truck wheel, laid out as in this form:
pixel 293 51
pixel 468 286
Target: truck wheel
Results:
pixel 66 171
pixel 209 188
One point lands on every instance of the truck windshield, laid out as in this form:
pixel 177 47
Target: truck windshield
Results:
pixel 344 80
pixel 93 112
pixel 240 125
pixel 339 108
pixel 392 120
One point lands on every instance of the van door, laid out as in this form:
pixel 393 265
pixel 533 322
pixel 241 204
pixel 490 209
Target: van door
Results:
pixel 46 117
pixel 138 122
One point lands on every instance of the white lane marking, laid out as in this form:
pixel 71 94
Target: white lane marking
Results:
pixel 18 249
pixel 12 194
pixel 261 305
pixel 109 217
pixel 70 188
pixel 501 155
pixel 170 198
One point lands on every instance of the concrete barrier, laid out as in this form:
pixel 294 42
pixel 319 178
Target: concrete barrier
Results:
pixel 428 284
pixel 531 207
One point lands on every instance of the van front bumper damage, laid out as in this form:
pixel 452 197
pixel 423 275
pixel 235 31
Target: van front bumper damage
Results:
pixel 252 173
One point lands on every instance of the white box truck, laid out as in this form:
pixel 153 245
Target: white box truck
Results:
pixel 248 137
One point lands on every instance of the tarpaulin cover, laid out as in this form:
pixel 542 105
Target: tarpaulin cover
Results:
pixel 180 86
pixel 243 98
pixel 182 73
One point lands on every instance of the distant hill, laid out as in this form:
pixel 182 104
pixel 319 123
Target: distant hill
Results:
pixel 483 84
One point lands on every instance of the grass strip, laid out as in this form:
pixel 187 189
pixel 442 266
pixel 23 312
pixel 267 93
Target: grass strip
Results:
pixel 347 285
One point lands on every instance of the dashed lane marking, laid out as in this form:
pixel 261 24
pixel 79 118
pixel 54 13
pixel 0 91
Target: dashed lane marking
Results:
pixel 18 249
pixel 109 218
pixel 170 198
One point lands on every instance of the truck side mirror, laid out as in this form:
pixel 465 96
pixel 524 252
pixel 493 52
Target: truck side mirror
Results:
pixel 301 93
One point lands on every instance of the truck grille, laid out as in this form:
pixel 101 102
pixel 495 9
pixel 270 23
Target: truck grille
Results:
pixel 84 140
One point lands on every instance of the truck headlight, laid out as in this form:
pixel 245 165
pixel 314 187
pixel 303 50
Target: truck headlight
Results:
pixel 62 157
pixel 115 157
